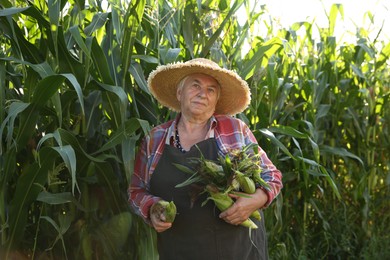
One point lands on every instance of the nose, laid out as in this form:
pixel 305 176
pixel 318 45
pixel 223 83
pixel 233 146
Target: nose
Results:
pixel 202 92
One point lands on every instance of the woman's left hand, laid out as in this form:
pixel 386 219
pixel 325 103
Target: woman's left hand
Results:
pixel 244 206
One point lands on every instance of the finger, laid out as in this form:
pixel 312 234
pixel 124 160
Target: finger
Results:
pixel 233 221
pixel 162 217
pixel 155 219
pixel 230 211
pixel 159 225
pixel 233 196
pixel 229 218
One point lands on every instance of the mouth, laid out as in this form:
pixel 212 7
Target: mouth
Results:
pixel 197 103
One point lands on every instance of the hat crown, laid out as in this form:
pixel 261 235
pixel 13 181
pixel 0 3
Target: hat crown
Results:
pixel 204 61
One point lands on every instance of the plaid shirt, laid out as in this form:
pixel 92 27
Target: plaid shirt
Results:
pixel 229 133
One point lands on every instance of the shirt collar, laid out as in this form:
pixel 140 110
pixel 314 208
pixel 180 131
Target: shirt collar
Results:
pixel 172 128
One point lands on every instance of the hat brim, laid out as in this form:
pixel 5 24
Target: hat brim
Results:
pixel 234 97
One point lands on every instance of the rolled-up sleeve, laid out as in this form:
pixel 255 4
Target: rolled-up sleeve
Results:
pixel 140 198
pixel 232 133
pixel 271 175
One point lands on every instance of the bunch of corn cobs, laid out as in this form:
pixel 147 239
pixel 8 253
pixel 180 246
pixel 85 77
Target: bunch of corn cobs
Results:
pixel 238 171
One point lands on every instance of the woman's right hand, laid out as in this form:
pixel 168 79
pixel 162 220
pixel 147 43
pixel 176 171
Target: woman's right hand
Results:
pixel 158 219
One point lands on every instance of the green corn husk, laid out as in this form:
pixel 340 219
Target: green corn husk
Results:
pixel 259 181
pixel 223 202
pixel 246 183
pixel 170 212
pixel 212 168
pixel 256 215
pixel 212 171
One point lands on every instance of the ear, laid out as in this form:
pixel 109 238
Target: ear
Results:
pixel 178 93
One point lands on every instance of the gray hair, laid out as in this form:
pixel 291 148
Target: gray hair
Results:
pixel 181 82
pixel 180 85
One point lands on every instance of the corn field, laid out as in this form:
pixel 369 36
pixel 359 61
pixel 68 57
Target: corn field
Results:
pixel 74 105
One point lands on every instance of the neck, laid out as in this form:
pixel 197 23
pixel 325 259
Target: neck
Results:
pixel 192 124
pixel 191 131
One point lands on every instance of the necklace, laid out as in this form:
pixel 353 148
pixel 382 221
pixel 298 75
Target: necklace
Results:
pixel 177 141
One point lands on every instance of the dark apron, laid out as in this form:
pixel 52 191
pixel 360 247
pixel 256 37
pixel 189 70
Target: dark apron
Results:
pixel 197 232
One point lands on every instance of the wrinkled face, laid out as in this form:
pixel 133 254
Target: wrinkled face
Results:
pixel 198 95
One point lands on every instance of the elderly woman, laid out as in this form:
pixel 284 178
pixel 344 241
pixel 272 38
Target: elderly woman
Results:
pixel 206 97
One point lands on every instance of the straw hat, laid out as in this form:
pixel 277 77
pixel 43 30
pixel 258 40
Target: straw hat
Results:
pixel 234 96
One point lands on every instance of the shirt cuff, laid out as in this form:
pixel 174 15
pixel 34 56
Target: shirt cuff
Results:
pixel 268 202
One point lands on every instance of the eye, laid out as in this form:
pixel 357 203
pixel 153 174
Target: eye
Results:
pixel 211 90
pixel 196 86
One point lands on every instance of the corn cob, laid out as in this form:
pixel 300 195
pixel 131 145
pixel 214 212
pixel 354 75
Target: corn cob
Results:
pixel 246 183
pixel 223 202
pixel 211 169
pixel 248 186
pixel 259 181
pixel 239 168
pixel 170 212
pixel 165 210
pixel 256 214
